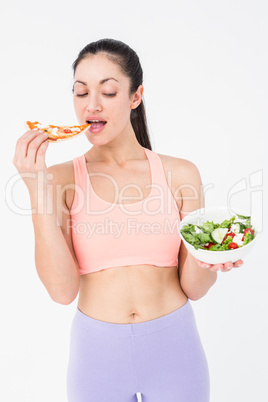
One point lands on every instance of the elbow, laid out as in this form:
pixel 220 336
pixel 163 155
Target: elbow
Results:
pixel 194 296
pixel 64 296
pixel 64 299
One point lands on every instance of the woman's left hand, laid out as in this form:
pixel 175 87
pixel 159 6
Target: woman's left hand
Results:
pixel 220 267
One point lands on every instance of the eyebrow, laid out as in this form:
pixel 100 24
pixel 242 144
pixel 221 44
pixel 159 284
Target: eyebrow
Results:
pixel 100 83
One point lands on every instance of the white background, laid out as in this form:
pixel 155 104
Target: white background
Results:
pixel 205 76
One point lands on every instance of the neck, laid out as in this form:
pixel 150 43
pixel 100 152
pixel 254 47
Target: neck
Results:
pixel 118 152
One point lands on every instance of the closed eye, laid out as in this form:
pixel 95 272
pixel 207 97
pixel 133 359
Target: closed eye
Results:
pixel 81 95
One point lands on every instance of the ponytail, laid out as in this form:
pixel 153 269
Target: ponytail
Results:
pixel 140 127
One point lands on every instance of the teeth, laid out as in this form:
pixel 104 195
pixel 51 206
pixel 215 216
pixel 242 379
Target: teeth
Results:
pixel 95 121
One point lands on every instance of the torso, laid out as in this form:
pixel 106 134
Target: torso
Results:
pixel 142 292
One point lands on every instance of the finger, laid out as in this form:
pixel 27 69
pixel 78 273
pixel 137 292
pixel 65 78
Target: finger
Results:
pixel 216 267
pixel 238 263
pixel 228 265
pixel 226 269
pixel 22 145
pixel 40 155
pixel 203 264
pixel 213 269
pixel 34 130
pixel 33 147
pixel 19 145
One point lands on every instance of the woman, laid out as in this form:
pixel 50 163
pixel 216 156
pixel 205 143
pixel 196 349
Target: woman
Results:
pixel 112 237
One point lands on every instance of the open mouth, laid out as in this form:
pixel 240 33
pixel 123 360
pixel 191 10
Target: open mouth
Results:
pixel 96 123
pixel 96 126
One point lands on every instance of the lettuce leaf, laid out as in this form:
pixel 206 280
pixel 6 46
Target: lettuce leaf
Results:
pixel 208 227
pixel 248 238
pixel 247 220
pixel 189 237
pixel 227 223
pixel 204 238
pixel 218 247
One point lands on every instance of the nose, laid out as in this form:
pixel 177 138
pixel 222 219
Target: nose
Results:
pixel 94 104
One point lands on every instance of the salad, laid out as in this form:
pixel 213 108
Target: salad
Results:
pixel 228 235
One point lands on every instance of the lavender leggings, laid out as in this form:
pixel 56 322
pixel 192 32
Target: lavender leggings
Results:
pixel 162 359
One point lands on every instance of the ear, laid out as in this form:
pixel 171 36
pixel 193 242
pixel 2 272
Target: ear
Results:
pixel 137 97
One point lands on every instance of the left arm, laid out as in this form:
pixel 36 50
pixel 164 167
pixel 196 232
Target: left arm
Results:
pixel 196 277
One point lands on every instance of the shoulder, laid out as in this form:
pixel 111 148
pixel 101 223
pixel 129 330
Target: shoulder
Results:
pixel 62 173
pixel 186 183
pixel 182 169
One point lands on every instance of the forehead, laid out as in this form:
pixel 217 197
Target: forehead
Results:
pixel 97 67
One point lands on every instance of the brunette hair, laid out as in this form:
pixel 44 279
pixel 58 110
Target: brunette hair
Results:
pixel 128 60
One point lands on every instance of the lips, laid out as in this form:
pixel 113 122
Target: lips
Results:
pixel 96 124
pixel 91 120
pixel 97 127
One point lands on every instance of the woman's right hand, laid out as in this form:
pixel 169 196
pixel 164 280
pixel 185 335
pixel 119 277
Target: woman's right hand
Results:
pixel 29 159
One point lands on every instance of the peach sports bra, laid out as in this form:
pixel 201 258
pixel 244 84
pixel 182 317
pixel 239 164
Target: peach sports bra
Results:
pixel 107 235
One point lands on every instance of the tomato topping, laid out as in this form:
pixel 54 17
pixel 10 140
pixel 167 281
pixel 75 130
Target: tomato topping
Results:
pixel 245 231
pixel 232 245
pixel 67 130
pixel 225 237
pixel 248 230
pixel 210 244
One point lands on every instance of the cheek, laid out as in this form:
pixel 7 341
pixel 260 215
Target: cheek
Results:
pixel 75 104
pixel 78 111
pixel 122 110
pixel 78 106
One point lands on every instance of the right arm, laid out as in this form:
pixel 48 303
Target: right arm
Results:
pixel 55 259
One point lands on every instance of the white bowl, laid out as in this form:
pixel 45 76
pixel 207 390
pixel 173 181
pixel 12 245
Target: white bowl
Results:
pixel 217 215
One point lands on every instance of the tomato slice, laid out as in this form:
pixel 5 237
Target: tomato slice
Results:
pixel 248 230
pixel 245 231
pixel 232 245
pixel 211 244
pixel 232 234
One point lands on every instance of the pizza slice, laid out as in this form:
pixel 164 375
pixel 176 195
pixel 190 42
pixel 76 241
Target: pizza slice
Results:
pixel 57 133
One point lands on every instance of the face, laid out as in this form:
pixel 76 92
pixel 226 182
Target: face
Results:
pixel 101 92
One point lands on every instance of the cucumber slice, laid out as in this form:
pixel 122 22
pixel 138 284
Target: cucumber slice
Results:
pixel 218 234
pixel 237 227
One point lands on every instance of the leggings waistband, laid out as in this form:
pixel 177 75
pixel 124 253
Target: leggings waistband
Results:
pixel 139 328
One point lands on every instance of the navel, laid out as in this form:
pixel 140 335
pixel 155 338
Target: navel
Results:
pixel 134 316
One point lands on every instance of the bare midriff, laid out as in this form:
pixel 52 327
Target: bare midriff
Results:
pixel 131 294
